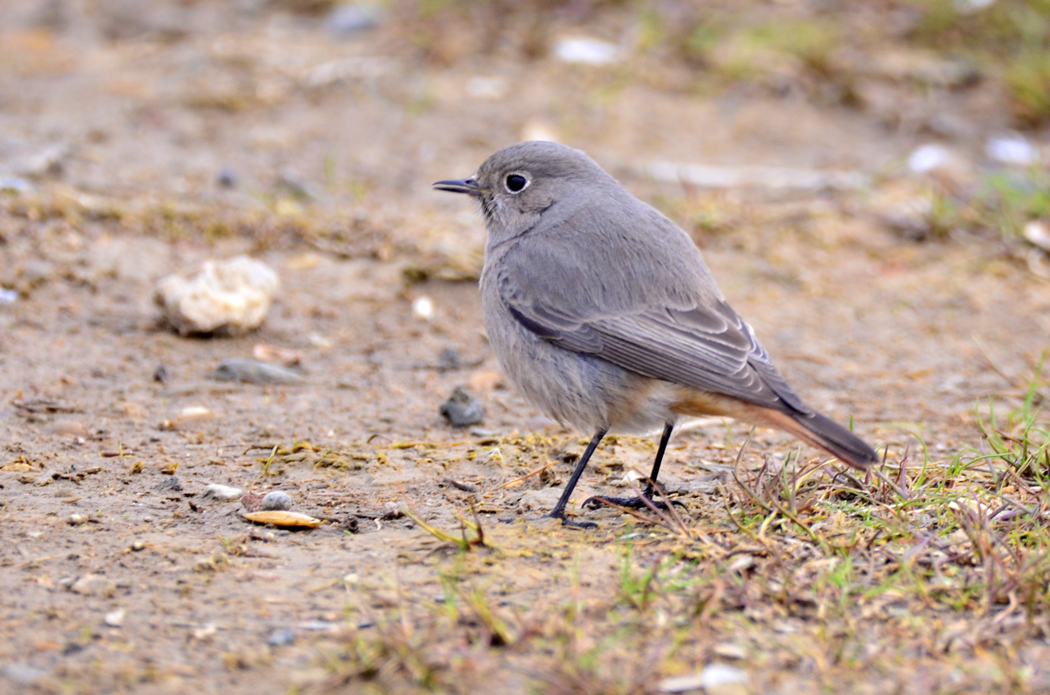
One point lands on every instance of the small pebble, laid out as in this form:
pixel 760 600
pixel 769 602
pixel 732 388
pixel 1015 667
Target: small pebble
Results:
pixel 319 341
pixel 7 296
pixel 170 484
pixel 1011 149
pixel 276 355
pixel 76 520
pixel 277 501
pixel 138 546
pixel 449 359
pixel 461 409
pixel 716 675
pixel 222 493
pixel 115 618
pixel 1036 232
pixel 587 51
pixel 927 158
pixel 728 650
pixel 281 638
pixel 714 678
pixel 347 20
pixel 423 307
pixel 255 372
pixel 194 413
pixel 93 585
pixel 22 674
pixel 227 177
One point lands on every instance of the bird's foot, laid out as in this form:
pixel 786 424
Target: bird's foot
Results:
pixel 635 502
pixel 571 523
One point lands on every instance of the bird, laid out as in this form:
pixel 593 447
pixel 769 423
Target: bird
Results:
pixel 602 313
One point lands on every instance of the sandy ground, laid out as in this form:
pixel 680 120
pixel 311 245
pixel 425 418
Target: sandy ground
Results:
pixel 120 576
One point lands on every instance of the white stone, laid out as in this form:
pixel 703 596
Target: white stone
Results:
pixel 586 50
pixel 229 296
pixel 1038 233
pixel 423 307
pixel 928 158
pixel 1010 149
pixel 222 493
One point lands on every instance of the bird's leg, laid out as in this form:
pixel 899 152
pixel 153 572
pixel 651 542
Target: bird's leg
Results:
pixel 636 502
pixel 559 509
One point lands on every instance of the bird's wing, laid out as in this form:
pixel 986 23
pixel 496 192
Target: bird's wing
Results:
pixel 644 317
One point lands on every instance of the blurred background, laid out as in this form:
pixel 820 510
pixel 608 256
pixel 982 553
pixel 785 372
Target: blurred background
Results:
pixel 329 120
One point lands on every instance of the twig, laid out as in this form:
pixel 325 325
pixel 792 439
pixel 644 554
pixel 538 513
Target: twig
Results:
pixel 518 481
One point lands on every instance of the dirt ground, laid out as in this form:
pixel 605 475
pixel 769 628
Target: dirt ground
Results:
pixel 140 141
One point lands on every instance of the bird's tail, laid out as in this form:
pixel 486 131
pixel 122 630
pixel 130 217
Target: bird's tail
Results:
pixel 823 433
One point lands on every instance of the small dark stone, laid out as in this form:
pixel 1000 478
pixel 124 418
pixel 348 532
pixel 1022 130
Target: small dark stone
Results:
pixel 277 501
pixel 171 484
pixel 461 409
pixel 255 372
pixel 160 374
pixel 227 177
pixel 449 359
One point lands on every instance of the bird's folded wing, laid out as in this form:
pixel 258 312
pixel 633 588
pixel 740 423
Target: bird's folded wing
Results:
pixel 708 346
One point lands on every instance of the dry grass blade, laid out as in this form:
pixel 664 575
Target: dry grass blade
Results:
pixel 462 542
pixel 636 514
pixel 519 481
pixel 669 514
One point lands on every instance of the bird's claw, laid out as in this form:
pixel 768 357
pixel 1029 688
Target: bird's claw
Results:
pixel 572 523
pixel 635 502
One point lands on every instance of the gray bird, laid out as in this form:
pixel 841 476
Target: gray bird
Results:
pixel 603 314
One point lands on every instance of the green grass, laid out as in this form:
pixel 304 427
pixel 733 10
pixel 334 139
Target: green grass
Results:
pixel 938 567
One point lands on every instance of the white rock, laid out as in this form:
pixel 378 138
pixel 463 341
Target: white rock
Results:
pixel 22 674
pixel 423 307
pixel 632 476
pixel 93 585
pixel 1010 149
pixel 194 413
pixel 229 296
pixel 586 50
pixel 115 618
pixel 715 675
pixel 927 158
pixel 1038 233
pixel 715 678
pixel 679 684
pixel 222 493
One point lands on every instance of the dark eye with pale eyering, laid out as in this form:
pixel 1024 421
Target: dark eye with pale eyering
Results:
pixel 516 182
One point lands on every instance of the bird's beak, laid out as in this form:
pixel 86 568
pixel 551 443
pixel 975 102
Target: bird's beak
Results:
pixel 468 186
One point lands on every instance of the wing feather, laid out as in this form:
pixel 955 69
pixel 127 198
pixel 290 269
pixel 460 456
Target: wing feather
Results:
pixel 656 325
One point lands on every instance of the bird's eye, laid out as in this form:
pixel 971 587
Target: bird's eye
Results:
pixel 515 182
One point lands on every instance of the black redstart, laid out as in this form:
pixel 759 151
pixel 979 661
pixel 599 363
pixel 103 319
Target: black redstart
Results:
pixel 603 314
